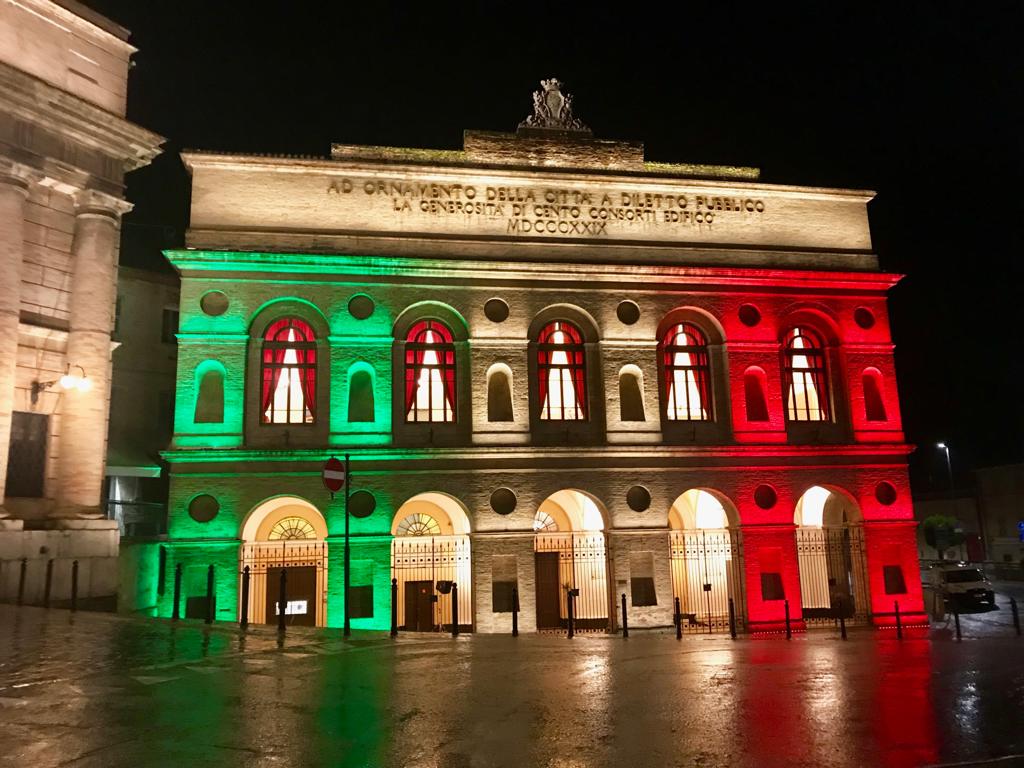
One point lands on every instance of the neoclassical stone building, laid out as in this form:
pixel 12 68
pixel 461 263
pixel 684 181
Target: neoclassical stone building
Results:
pixel 65 147
pixel 556 368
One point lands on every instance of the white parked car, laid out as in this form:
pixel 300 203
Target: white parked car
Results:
pixel 961 584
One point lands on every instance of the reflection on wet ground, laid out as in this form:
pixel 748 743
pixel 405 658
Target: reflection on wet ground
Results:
pixel 101 690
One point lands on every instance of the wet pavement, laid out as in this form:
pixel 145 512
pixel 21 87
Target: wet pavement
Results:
pixel 102 690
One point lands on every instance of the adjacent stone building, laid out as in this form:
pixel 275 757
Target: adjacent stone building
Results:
pixel 65 146
pixel 563 376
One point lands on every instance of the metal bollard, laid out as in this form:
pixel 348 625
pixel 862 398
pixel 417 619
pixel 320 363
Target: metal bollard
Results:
pixel 282 599
pixel 455 609
pixel 21 580
pixel 678 619
pixel 956 620
pixel 625 618
pixel 789 629
pixel 1016 616
pixel 394 607
pixel 243 621
pixel 74 585
pixel 899 622
pixel 515 612
pixel 209 594
pixel 842 619
pixel 732 619
pixel 176 612
pixel 49 583
pixel 569 611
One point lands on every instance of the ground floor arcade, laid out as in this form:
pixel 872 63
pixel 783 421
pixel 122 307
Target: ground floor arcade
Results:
pixel 702 559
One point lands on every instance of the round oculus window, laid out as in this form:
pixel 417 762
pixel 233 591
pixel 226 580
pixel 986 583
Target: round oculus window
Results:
pixel 503 501
pixel 864 317
pixel 360 306
pixel 638 498
pixel 203 508
pixel 496 310
pixel 749 315
pixel 885 493
pixel 628 312
pixel 765 496
pixel 361 504
pixel 214 303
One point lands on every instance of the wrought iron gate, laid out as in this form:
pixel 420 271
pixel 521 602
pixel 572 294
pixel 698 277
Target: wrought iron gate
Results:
pixel 707 570
pixel 833 574
pixel 582 565
pixel 433 559
pixel 289 553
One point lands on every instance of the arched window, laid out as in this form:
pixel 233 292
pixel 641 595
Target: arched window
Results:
pixel 289 373
pixel 561 372
pixel 755 394
pixel 210 400
pixel 360 396
pixel 499 394
pixel 874 403
pixel 631 394
pixel 684 352
pixel 805 376
pixel 429 373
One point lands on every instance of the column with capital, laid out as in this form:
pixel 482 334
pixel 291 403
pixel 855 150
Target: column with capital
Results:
pixel 14 183
pixel 83 412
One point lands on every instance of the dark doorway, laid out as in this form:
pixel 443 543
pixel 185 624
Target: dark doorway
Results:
pixel 546 570
pixel 419 606
pixel 26 461
pixel 300 593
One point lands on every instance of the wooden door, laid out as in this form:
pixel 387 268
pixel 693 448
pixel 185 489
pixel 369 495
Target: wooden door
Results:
pixel 300 594
pixel 419 606
pixel 546 571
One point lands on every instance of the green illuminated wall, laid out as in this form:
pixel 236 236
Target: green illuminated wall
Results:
pixel 214 459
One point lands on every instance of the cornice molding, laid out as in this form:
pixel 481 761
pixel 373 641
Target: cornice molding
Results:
pixel 39 102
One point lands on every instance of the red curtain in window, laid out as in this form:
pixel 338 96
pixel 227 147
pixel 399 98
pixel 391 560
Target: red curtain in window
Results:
pixel 282 336
pixel 423 337
pixel 273 356
pixel 562 336
pixel 307 359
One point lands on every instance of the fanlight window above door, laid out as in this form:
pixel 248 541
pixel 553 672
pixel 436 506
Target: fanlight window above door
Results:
pixel 292 528
pixel 419 524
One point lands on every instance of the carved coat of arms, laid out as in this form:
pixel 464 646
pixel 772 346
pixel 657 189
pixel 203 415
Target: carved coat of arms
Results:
pixel 552 109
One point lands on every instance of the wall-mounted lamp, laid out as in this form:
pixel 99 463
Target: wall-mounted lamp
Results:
pixel 68 381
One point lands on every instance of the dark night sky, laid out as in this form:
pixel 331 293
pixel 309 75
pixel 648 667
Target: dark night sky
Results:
pixel 919 101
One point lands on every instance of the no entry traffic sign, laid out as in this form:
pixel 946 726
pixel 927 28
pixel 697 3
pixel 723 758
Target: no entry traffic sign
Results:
pixel 333 475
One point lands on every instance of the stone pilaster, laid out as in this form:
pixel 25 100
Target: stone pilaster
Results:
pixel 14 182
pixel 83 419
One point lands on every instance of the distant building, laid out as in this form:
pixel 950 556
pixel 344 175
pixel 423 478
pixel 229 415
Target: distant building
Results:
pixel 1001 499
pixel 989 514
pixel 562 372
pixel 142 399
pixel 65 147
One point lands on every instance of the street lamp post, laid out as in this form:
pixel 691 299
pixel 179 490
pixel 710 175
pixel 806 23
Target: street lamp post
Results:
pixel 949 474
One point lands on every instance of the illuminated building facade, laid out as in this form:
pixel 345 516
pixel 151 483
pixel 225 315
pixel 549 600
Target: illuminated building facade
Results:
pixel 65 147
pixel 557 368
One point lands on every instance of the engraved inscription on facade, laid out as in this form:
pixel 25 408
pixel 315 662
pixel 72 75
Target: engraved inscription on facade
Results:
pixel 556 211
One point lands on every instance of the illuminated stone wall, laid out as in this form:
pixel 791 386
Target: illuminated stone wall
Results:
pixel 274 237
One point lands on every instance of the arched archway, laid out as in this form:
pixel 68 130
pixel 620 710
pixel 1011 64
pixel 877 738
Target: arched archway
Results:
pixel 430 552
pixel 571 561
pixel 285 535
pixel 707 564
pixel 830 553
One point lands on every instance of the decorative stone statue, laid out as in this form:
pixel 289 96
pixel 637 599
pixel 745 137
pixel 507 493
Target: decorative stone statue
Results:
pixel 552 110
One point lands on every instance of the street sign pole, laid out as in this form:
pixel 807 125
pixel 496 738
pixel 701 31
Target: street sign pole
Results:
pixel 348 479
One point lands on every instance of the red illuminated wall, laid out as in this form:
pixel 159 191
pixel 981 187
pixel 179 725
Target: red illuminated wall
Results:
pixel 860 458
